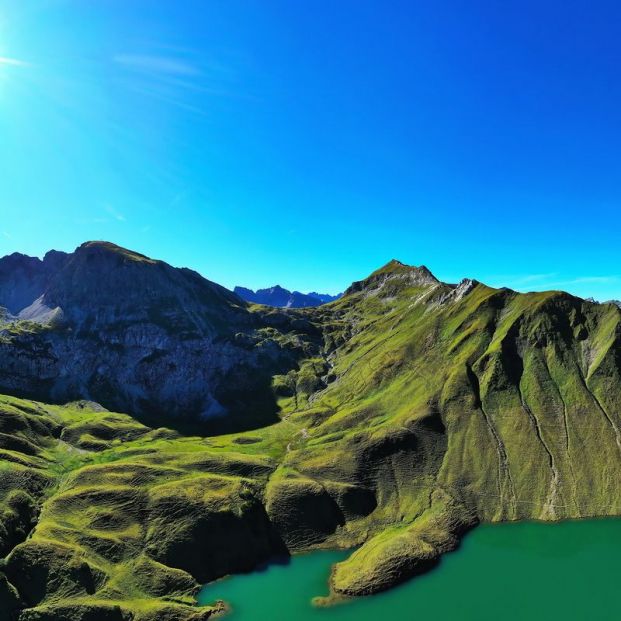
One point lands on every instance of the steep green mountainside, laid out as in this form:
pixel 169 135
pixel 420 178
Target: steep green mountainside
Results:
pixel 409 411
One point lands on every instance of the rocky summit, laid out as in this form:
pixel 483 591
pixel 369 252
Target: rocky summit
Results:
pixel 158 432
pixel 137 335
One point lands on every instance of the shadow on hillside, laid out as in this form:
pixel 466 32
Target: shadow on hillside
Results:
pixel 232 422
pixel 246 396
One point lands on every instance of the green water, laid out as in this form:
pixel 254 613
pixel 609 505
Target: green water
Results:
pixel 569 571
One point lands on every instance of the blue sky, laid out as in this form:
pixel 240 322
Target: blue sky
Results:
pixel 307 143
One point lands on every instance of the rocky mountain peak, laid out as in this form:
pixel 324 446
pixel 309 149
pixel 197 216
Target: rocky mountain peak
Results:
pixel 133 333
pixel 110 250
pixel 397 273
pixel 101 283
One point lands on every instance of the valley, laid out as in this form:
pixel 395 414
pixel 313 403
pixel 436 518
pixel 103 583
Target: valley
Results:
pixel 158 433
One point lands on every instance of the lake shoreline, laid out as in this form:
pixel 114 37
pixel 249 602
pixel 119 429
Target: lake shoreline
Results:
pixel 495 552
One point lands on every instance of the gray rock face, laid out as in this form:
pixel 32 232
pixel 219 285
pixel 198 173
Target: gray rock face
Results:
pixel 23 279
pixel 140 336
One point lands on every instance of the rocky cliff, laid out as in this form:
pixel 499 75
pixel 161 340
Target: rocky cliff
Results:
pixel 138 335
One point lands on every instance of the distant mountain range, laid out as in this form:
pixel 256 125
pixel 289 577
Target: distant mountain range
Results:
pixel 283 298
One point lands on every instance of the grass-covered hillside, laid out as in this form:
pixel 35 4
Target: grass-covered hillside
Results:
pixel 410 411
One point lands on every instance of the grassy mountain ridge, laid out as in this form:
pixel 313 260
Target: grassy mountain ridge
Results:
pixel 412 410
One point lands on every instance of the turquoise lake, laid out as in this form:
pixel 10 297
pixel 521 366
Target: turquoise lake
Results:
pixel 569 570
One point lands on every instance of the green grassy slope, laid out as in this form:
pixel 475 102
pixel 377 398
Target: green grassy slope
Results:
pixel 429 408
pixel 525 390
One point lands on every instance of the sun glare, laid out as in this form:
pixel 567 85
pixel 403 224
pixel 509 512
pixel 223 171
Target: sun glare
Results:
pixel 7 64
pixel 12 62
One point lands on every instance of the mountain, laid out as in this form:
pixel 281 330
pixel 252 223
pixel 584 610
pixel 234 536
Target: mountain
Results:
pixel 23 279
pixel 404 413
pixel 279 297
pixel 324 298
pixel 137 335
